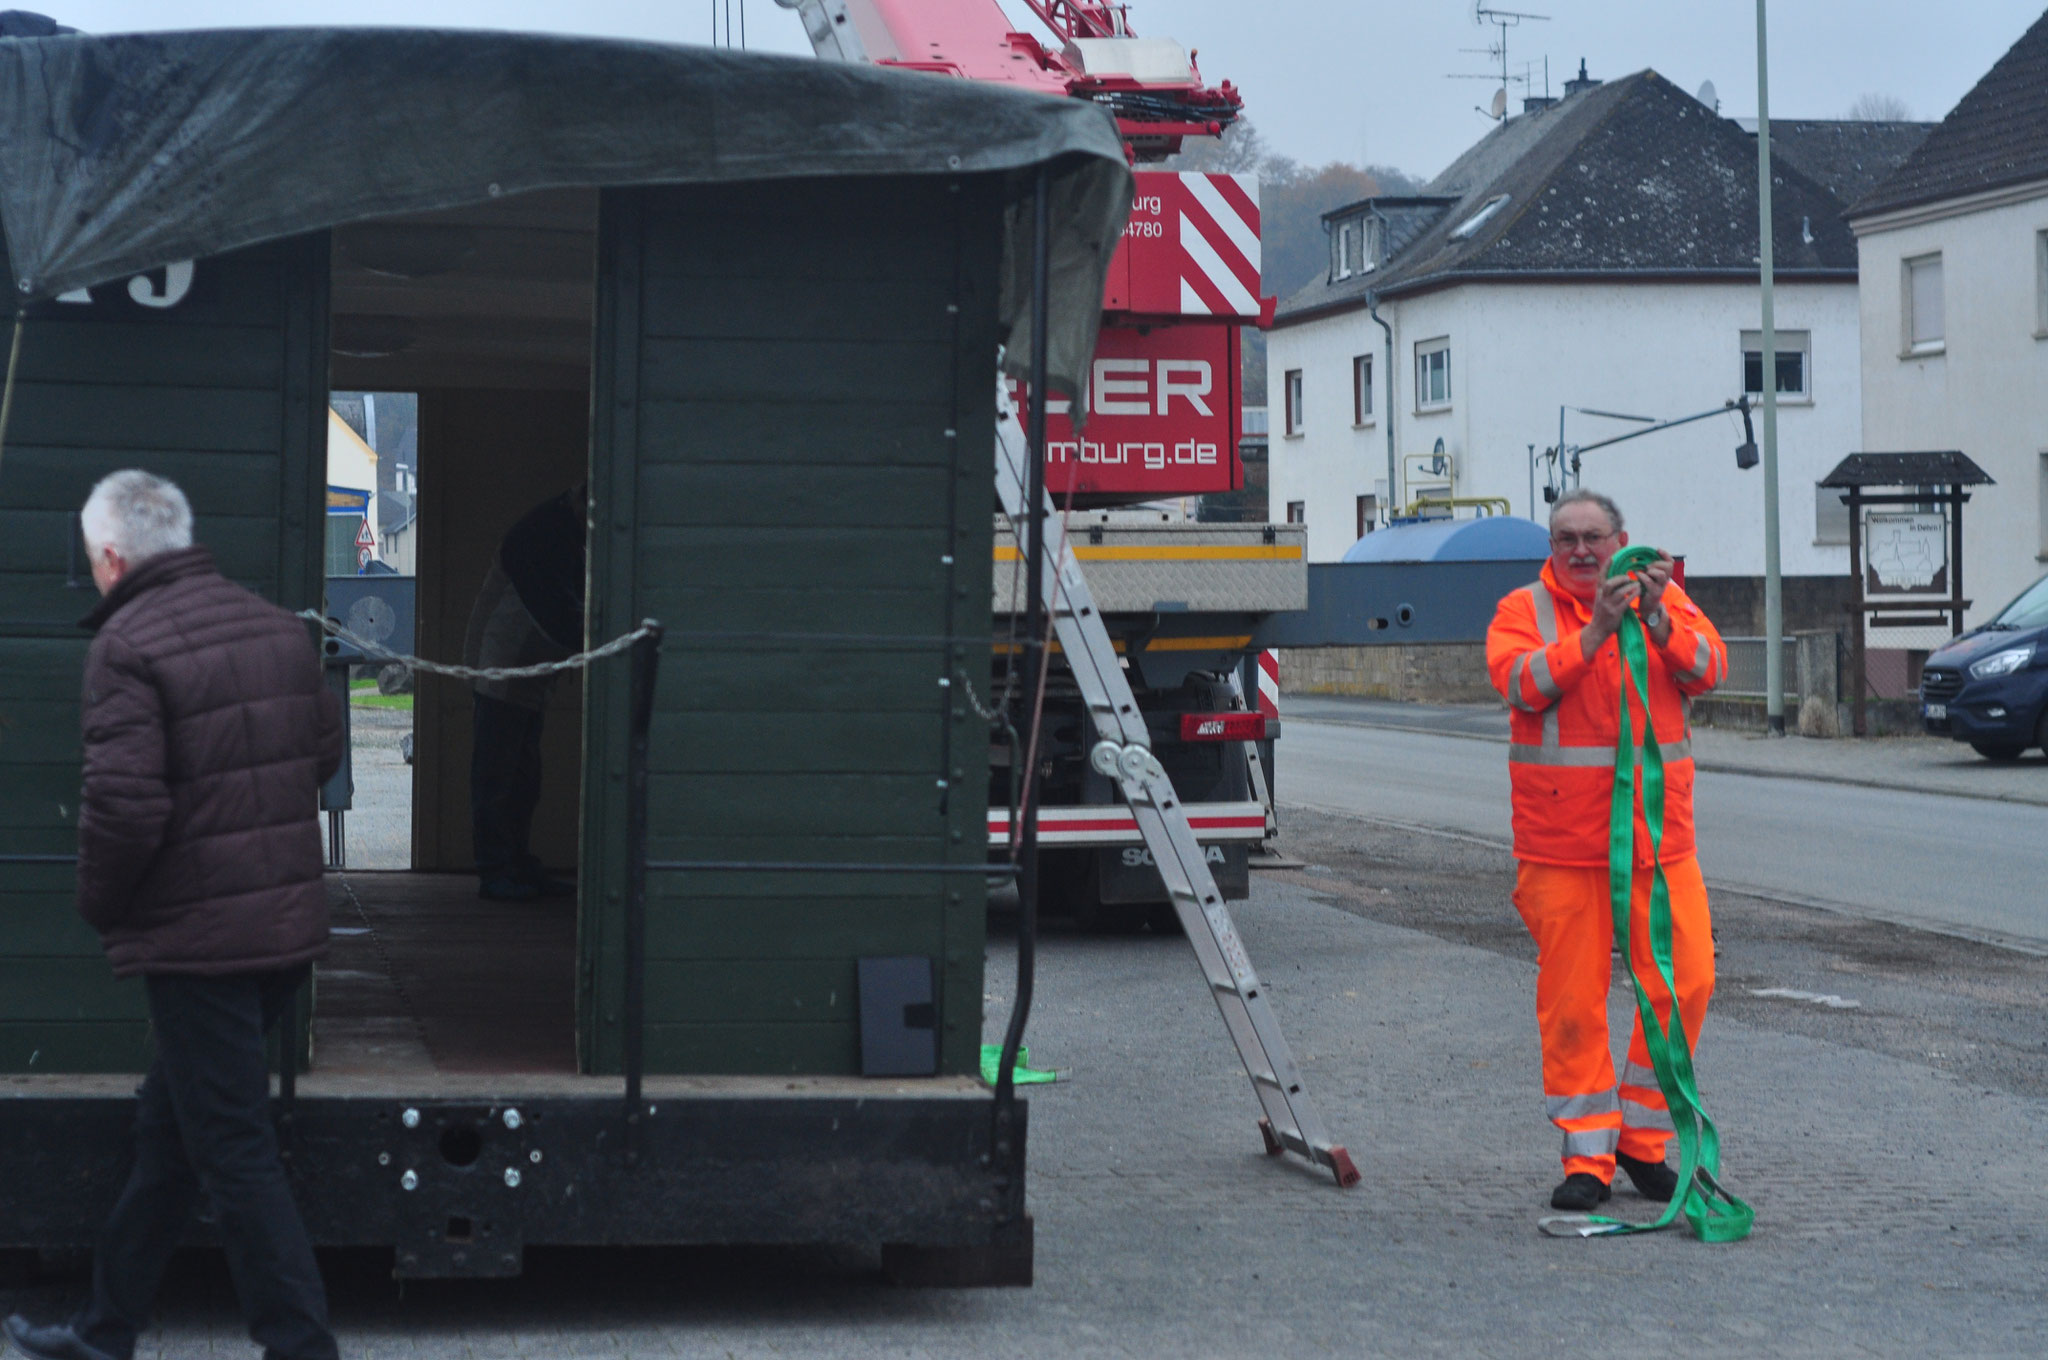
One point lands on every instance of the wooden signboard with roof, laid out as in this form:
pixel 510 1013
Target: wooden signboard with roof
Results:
pixel 1906 559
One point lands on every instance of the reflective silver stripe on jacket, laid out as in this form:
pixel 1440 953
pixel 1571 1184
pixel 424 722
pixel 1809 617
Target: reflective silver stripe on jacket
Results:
pixel 1592 1142
pixel 1579 1107
pixel 1515 674
pixel 1539 671
pixel 1702 662
pixel 1635 1074
pixel 1636 1115
pixel 1546 611
pixel 1590 757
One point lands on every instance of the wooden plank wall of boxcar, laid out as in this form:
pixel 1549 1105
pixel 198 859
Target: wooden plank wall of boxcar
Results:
pixel 222 392
pixel 793 471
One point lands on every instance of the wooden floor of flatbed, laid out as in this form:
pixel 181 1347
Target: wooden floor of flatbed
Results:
pixel 430 992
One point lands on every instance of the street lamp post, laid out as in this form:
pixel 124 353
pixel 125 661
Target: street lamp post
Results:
pixel 1774 601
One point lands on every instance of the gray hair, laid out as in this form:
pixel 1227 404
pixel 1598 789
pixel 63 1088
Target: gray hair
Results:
pixel 137 514
pixel 1578 495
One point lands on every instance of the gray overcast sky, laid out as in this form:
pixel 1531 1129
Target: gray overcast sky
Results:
pixel 1356 80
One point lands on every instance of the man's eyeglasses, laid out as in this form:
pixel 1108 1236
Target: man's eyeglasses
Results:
pixel 1569 541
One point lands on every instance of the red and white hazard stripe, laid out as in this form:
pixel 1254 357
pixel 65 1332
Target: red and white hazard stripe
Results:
pixel 1219 244
pixel 1117 825
pixel 1269 686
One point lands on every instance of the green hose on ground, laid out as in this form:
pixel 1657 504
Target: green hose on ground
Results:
pixel 1714 1213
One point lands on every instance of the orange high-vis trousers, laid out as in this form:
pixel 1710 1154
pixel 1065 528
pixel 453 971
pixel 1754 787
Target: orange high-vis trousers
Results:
pixel 1568 911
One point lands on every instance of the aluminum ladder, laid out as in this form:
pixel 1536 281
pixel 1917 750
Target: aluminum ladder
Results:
pixel 1122 752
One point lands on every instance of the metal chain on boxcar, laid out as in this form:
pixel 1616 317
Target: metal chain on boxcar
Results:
pixel 378 652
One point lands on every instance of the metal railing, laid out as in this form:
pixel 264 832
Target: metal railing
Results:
pixel 1746 661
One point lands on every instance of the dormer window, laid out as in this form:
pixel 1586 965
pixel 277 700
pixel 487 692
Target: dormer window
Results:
pixel 1352 247
pixel 1465 229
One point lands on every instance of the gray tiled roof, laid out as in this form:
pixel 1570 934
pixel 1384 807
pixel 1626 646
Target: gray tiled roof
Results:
pixel 1633 178
pixel 1847 157
pixel 1997 135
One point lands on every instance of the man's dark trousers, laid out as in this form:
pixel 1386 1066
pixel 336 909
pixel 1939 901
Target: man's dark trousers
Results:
pixel 205 1124
pixel 504 786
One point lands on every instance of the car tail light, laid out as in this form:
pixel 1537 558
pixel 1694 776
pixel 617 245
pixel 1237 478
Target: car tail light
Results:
pixel 1222 727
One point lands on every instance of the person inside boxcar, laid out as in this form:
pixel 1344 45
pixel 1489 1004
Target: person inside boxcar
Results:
pixel 529 611
pixel 207 734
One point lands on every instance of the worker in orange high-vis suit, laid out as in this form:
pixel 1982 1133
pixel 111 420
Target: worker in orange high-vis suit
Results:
pixel 1552 654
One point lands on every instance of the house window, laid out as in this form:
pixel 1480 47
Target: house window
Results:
pixel 1924 333
pixel 1292 387
pixel 1432 375
pixel 1297 512
pixel 1794 360
pixel 2041 285
pixel 1363 255
pixel 2041 553
pixel 1830 517
pixel 1465 229
pixel 1361 389
pixel 1368 513
pixel 1344 251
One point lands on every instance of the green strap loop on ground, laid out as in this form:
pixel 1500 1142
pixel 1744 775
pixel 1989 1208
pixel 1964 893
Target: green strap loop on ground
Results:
pixel 1021 1075
pixel 1714 1213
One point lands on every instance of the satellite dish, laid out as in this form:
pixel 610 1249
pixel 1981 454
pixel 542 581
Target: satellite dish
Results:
pixel 1500 104
pixel 1710 96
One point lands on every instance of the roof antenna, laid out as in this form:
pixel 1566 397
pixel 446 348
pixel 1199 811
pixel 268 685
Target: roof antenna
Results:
pixel 1503 19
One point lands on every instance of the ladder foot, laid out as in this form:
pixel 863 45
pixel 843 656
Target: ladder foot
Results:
pixel 1340 1163
pixel 1274 1147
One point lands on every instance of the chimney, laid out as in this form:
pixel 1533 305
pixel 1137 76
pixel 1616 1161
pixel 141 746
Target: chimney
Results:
pixel 1538 101
pixel 1584 81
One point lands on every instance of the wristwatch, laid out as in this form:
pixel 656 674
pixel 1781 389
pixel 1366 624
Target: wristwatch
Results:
pixel 1655 618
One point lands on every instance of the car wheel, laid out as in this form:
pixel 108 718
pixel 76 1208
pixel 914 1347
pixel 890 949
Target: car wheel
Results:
pixel 1997 750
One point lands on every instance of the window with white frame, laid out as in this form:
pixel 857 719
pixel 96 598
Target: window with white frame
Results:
pixel 1343 253
pixel 1364 253
pixel 1433 374
pixel 2041 285
pixel 1830 517
pixel 2041 553
pixel 1920 295
pixel 1297 512
pixel 1793 360
pixel 1291 387
pixel 1361 389
pixel 1368 515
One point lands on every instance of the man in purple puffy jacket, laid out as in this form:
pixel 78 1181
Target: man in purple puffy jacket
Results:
pixel 207 734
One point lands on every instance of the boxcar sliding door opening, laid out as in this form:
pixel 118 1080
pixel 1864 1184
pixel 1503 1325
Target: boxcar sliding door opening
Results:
pixel 485 313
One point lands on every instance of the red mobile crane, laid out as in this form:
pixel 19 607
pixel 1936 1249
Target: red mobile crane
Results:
pixel 1164 409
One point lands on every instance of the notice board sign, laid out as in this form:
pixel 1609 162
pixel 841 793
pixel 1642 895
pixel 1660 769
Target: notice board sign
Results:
pixel 1905 554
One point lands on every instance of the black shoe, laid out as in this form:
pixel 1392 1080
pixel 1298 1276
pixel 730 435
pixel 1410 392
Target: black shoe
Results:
pixel 56 1342
pixel 1652 1180
pixel 498 888
pixel 1581 1191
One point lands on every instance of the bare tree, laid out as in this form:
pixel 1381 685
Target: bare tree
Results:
pixel 1879 108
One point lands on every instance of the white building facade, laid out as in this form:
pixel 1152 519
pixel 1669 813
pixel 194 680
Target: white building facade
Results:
pixel 1955 356
pixel 1482 369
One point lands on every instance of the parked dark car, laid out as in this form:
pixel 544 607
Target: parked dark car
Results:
pixel 1990 686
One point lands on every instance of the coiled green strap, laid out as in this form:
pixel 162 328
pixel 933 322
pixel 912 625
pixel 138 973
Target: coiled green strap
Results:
pixel 1715 1214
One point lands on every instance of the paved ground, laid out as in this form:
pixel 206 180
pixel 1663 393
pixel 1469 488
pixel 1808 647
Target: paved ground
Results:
pixel 1890 1149
pixel 1922 764
pixel 1969 863
pixel 379 826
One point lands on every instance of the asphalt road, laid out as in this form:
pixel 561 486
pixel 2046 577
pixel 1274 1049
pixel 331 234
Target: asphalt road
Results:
pixel 1967 865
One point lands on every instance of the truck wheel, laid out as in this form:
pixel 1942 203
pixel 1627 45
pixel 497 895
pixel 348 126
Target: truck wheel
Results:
pixel 2000 751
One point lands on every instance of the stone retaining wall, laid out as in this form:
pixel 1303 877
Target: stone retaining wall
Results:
pixel 1429 673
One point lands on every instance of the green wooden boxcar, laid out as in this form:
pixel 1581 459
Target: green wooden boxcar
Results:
pixel 778 379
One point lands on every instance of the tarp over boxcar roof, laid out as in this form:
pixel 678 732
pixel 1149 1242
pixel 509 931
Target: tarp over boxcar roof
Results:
pixel 126 152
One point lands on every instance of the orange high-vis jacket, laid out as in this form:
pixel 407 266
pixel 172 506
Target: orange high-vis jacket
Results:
pixel 1566 713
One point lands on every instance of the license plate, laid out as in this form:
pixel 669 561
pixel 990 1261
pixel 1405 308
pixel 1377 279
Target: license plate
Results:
pixel 1937 711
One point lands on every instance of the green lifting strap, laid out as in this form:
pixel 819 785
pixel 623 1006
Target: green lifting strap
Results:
pixel 1715 1214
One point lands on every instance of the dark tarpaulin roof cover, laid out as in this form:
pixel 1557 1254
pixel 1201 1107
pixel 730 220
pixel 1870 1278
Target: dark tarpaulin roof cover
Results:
pixel 127 152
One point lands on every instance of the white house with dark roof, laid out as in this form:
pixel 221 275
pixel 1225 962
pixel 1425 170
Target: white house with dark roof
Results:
pixel 1597 253
pixel 1954 256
